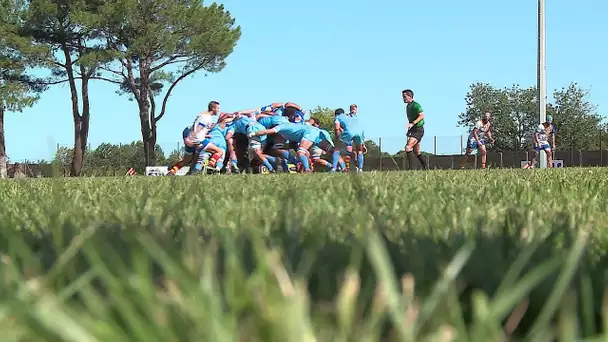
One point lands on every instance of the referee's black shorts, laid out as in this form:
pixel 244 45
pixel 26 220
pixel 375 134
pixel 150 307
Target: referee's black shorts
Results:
pixel 416 132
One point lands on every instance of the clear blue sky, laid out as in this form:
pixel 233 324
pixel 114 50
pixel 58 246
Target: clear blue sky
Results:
pixel 355 52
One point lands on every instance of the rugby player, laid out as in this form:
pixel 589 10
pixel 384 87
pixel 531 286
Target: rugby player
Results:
pixel 415 129
pixel 347 129
pixel 476 140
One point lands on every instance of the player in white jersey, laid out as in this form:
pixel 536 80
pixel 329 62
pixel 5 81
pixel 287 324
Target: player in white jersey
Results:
pixel 202 125
pixel 477 140
pixel 541 141
pixel 193 139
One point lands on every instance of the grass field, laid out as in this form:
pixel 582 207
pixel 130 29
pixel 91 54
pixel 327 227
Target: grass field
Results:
pixel 410 256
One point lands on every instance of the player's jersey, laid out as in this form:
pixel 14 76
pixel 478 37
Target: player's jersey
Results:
pixel 201 126
pixel 242 124
pixel 294 131
pixel 482 130
pixel 270 121
pixel 412 110
pixel 542 134
pixel 349 124
pixel 217 135
pixel 199 129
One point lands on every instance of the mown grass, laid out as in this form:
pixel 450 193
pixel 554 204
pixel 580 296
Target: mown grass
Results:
pixel 413 256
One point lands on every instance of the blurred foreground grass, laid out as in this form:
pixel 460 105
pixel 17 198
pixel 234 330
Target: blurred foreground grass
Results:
pixel 414 256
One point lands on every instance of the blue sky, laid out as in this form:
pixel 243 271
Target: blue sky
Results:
pixel 354 52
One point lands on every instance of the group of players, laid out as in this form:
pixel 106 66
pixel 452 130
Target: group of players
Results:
pixel 277 136
pixel 540 141
pixel 269 138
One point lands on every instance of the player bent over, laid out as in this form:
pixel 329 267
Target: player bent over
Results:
pixel 415 129
pixel 306 136
pixel 347 128
pixel 214 146
pixel 541 143
pixel 245 124
pixel 477 141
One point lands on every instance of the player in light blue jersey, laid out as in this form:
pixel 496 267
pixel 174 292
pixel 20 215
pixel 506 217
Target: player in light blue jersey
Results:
pixel 307 136
pixel 246 124
pixel 349 131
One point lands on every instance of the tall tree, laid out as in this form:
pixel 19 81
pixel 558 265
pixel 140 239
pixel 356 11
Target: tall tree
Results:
pixel 579 124
pixel 17 53
pixel 61 26
pixel 162 42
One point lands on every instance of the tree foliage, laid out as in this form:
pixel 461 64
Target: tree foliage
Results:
pixel 74 54
pixel 161 42
pixel 18 90
pixel 326 118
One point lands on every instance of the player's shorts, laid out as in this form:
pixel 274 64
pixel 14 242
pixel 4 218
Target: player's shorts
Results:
pixel 188 150
pixel 315 152
pixel 416 132
pixel 352 139
pixel 542 147
pixel 473 145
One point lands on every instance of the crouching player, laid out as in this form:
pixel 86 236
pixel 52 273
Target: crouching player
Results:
pixel 541 142
pixel 244 124
pixel 347 128
pixel 306 136
pixel 476 140
pixel 214 146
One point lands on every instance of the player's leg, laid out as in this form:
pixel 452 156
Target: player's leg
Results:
pixel 186 160
pixel 483 152
pixel 534 155
pixel 315 155
pixel 256 151
pixel 549 153
pixel 303 154
pixel 358 150
pixel 471 145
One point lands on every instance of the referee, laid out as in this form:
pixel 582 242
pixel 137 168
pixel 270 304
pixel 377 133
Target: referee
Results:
pixel 415 129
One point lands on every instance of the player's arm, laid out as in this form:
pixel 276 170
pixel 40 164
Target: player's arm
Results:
pixel 419 118
pixel 337 128
pixel 490 136
pixel 293 105
pixel 263 132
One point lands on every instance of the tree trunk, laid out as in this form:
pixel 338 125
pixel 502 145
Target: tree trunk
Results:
pixel 3 159
pixel 81 131
pixel 77 157
pixel 148 126
pixel 148 134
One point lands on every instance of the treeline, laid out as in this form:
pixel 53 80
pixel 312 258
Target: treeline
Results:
pixel 143 47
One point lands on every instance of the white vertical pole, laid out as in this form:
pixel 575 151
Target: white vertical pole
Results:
pixel 542 73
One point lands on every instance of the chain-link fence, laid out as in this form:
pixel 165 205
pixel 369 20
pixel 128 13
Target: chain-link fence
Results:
pixel 384 154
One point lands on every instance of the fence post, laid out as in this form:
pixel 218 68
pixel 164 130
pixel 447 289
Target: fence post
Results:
pixel 435 145
pixel 501 161
pixel 461 146
pixel 380 154
pixel 475 160
pixel 580 158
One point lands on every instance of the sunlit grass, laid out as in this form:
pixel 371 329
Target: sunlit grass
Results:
pixel 412 256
